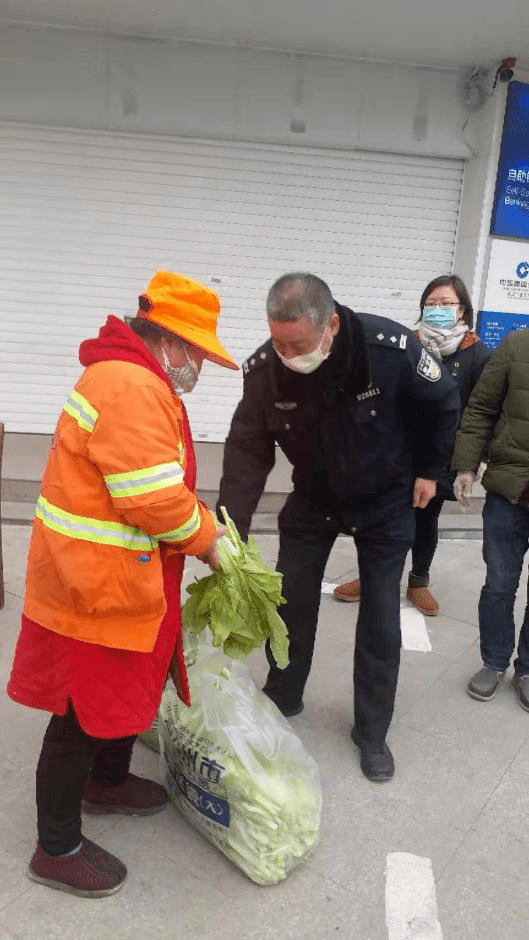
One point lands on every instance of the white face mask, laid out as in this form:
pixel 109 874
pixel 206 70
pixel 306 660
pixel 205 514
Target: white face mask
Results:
pixel 182 378
pixel 308 362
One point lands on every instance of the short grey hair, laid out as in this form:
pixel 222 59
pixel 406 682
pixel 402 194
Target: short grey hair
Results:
pixel 152 332
pixel 299 295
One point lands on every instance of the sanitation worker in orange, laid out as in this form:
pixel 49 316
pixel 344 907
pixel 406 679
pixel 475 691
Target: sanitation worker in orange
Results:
pixel 116 515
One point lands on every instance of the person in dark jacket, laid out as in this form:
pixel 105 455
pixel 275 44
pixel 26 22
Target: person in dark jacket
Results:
pixel 495 429
pixel 445 330
pixel 366 417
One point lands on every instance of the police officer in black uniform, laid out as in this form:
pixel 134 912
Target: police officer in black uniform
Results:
pixel 367 418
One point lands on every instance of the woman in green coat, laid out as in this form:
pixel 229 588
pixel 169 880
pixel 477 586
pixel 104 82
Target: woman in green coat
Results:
pixel 495 428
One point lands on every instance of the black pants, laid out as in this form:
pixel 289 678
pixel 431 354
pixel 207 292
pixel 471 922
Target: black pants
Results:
pixel 67 757
pixel 425 544
pixel 304 548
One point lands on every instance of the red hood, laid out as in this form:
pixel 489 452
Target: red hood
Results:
pixel 116 340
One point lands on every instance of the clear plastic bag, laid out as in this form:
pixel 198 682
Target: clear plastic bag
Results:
pixel 236 770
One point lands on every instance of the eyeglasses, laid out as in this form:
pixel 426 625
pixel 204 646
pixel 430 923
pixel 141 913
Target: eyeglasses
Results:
pixel 432 304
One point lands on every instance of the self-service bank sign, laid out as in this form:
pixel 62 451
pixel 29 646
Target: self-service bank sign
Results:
pixel 507 292
pixel 510 214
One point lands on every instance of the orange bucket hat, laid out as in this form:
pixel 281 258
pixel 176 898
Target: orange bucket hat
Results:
pixel 187 309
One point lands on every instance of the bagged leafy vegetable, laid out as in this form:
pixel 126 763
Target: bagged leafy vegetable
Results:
pixel 239 602
pixel 150 737
pixel 194 647
pixel 235 769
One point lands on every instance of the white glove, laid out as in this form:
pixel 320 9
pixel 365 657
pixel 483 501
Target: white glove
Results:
pixel 480 471
pixel 463 487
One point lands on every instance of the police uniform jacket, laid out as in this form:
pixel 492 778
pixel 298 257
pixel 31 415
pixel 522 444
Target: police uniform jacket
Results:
pixel 377 413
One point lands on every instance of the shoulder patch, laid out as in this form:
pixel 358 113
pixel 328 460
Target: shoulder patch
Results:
pixel 384 337
pixel 428 368
pixel 258 358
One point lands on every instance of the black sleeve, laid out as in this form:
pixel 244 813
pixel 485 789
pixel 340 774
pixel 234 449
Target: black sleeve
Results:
pixel 483 354
pixel 249 455
pixel 434 395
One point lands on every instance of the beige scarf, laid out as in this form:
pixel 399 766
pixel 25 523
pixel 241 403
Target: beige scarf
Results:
pixel 440 342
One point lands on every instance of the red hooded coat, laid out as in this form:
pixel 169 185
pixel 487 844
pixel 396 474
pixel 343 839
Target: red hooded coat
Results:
pixel 116 514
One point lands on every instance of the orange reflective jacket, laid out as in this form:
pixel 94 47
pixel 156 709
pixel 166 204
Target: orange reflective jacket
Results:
pixel 113 490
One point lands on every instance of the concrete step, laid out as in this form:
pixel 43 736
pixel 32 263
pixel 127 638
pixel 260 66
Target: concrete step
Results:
pixel 17 513
pixel 20 491
pixel 452 525
pixel 17 492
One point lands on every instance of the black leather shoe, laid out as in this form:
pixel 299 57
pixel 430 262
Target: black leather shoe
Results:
pixel 376 760
pixel 287 710
pixel 522 684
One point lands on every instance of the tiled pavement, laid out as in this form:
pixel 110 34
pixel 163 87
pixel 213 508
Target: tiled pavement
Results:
pixel 460 797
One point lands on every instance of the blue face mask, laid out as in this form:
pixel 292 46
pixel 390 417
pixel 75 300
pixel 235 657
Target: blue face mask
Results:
pixel 443 317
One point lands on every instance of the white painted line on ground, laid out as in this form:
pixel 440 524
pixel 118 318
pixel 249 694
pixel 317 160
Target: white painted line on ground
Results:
pixel 412 624
pixel 327 587
pixel 411 905
pixel 414 632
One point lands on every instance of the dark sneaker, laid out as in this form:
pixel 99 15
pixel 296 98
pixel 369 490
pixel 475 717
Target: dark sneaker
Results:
pixel 90 873
pixel 484 685
pixel 134 797
pixel 286 709
pixel 522 684
pixel 376 760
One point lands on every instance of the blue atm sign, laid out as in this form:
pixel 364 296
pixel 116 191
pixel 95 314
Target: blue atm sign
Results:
pixel 510 214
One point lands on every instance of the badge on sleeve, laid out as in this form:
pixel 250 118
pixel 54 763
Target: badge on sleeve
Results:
pixel 428 367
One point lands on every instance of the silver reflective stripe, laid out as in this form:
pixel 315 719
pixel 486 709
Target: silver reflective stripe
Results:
pixel 80 409
pixel 185 531
pixel 92 530
pixel 137 482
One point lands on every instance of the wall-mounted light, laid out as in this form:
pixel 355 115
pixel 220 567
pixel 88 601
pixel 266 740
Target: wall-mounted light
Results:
pixel 298 126
pixel 420 118
pixel 420 127
pixel 298 122
pixel 130 103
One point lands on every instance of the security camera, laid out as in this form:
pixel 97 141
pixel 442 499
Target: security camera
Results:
pixel 505 71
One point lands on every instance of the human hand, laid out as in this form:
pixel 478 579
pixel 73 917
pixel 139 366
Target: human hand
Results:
pixel 423 491
pixel 211 556
pixel 463 487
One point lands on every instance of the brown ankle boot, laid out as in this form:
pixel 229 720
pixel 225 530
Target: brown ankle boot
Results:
pixel 350 591
pixel 421 598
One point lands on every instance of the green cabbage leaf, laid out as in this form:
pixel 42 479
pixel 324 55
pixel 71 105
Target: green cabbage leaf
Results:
pixel 239 601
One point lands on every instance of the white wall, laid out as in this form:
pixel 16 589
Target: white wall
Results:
pixel 75 79
pixel 472 244
pixel 25 457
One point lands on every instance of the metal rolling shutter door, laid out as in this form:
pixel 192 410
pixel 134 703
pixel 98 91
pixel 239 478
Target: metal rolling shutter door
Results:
pixel 90 216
